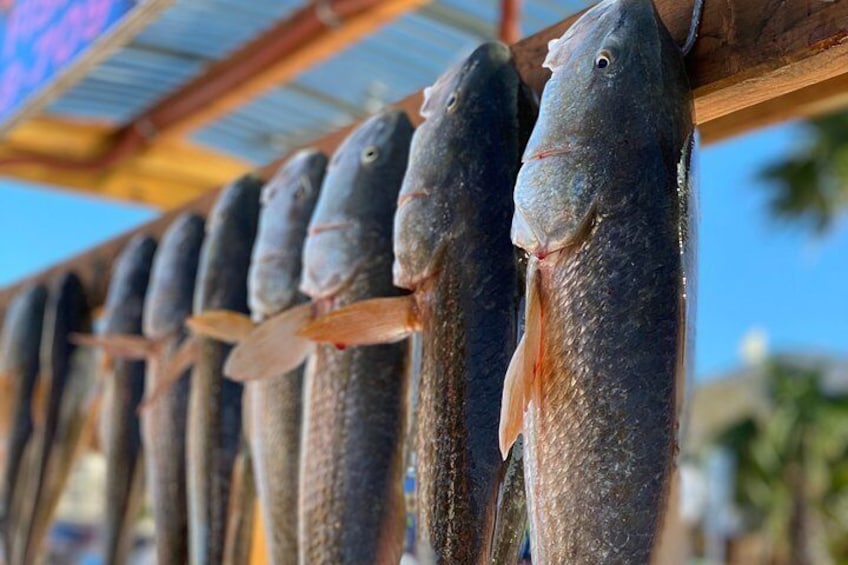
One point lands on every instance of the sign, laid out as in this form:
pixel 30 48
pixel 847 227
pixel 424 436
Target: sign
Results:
pixel 40 40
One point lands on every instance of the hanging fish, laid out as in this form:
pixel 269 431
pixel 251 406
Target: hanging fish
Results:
pixel 215 403
pixel 603 206
pixel 123 388
pixel 167 303
pixel 19 368
pixel 64 409
pixel 452 249
pixel 350 494
pixel 274 405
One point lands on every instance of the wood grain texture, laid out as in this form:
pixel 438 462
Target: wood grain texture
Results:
pixel 756 61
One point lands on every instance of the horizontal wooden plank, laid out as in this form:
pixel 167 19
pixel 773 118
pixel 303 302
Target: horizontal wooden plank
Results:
pixel 165 175
pixel 750 52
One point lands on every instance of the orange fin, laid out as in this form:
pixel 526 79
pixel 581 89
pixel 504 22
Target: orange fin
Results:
pixel 520 383
pixel 370 322
pixel 223 325
pixel 512 403
pixel 272 348
pixel 171 369
pixel 132 347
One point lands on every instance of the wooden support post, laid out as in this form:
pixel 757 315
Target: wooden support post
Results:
pixel 751 52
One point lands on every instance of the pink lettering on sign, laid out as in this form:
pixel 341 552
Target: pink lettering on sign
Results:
pixel 40 37
pixel 10 81
pixel 97 14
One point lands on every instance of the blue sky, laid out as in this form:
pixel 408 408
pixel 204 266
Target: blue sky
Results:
pixel 755 275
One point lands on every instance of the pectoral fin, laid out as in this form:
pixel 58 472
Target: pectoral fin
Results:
pixel 223 325
pixel 272 348
pixel 521 384
pixel 130 347
pixel 170 369
pixel 370 322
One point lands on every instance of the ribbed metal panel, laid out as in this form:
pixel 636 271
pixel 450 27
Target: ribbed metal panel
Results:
pixel 401 58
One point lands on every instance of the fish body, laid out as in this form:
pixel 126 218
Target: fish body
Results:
pixel 602 207
pixel 63 399
pixel 214 417
pixel 19 363
pixel 123 388
pixel 452 247
pixel 351 503
pixel 274 405
pixel 166 305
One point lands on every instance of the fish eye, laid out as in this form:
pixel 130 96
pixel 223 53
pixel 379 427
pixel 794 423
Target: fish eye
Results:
pixel 370 154
pixel 603 59
pixel 452 100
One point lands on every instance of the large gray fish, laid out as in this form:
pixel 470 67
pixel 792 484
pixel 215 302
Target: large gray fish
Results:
pixel 274 404
pixel 602 207
pixel 452 248
pixel 19 351
pixel 63 409
pixel 168 302
pixel 215 403
pixel 350 496
pixel 123 388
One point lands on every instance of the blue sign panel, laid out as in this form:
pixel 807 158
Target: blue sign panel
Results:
pixel 41 38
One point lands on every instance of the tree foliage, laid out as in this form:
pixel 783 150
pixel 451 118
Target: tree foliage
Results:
pixel 812 185
pixel 792 467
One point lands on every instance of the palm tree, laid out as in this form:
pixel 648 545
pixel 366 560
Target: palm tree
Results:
pixel 792 468
pixel 812 185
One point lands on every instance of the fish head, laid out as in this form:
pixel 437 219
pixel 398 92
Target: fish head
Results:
pixel 288 200
pixel 456 109
pixel 618 88
pixel 225 254
pixel 352 219
pixel 172 279
pixel 130 277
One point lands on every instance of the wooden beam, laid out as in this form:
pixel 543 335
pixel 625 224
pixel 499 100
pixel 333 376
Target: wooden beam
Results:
pixel 312 34
pixel 750 52
pixel 808 102
pixel 166 175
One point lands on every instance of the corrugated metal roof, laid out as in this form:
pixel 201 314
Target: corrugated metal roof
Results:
pixel 400 58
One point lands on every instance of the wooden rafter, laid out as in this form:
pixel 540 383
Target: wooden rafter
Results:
pixel 310 35
pixel 166 175
pixel 751 52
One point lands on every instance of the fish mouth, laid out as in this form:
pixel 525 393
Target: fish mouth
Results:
pixel 332 226
pixel 526 236
pixel 405 199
